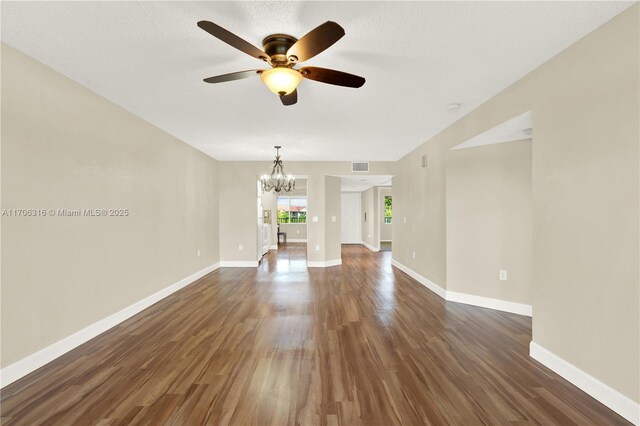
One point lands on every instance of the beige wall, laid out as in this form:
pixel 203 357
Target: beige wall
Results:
pixel 369 205
pixel 419 223
pixel 238 213
pixel 295 231
pixel 64 147
pixel 333 218
pixel 585 176
pixel 488 198
pixel 385 228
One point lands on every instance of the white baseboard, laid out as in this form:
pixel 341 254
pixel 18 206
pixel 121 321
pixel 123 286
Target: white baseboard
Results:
pixel 621 404
pixel 323 263
pixel 370 247
pixel 487 302
pixel 239 263
pixel 26 365
pixel 273 247
pixel 334 262
pixel 468 299
pixel 385 241
pixel 296 240
pixel 422 280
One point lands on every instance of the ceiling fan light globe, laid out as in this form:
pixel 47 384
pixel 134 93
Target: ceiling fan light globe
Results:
pixel 281 80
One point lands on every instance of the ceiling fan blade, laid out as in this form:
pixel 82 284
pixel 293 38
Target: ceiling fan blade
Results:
pixel 315 41
pixel 334 77
pixel 233 40
pixel 232 76
pixel 290 99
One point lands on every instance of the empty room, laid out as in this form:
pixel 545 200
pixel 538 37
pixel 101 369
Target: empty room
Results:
pixel 320 213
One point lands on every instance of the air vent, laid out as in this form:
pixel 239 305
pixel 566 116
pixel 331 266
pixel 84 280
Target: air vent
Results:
pixel 360 166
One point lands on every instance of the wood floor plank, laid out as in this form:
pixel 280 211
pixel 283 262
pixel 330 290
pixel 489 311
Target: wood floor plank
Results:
pixel 360 343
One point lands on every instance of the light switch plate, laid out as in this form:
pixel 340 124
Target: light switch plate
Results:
pixel 333 218
pixel 315 218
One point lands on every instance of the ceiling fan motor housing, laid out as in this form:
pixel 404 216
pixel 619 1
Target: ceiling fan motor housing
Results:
pixel 277 45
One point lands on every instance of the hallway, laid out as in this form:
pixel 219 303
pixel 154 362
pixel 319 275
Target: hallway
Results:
pixel 360 343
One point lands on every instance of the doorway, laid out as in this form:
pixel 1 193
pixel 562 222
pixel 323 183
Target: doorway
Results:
pixel 282 236
pixel 291 215
pixel 366 219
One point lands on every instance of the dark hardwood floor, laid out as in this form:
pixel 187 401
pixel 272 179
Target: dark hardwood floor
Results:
pixel 360 343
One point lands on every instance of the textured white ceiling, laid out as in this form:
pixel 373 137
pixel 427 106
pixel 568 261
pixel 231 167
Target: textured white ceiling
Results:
pixel 417 57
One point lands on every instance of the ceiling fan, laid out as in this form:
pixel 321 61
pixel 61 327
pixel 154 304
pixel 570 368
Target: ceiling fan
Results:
pixel 283 52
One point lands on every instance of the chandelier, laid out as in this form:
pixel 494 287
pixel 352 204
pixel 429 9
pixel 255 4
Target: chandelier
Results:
pixel 278 181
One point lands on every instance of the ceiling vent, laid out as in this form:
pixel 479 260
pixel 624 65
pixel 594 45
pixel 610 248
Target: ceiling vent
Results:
pixel 360 166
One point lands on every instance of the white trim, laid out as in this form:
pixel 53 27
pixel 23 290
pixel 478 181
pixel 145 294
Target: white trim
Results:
pixel 273 247
pixel 44 356
pixel 386 241
pixel 296 240
pixel 621 404
pixel 487 302
pixel 370 247
pixel 239 263
pixel 467 299
pixel 323 263
pixel 422 280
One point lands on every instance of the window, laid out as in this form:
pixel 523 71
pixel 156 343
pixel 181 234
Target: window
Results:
pixel 292 210
pixel 387 209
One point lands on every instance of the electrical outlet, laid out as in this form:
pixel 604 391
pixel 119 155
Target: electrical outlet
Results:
pixel 315 218
pixel 414 254
pixel 198 253
pixel 317 247
pixel 405 219
pixel 502 275
pixel 297 231
pixel 333 218
pixel 240 247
